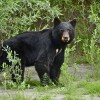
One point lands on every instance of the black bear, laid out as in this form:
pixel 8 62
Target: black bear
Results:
pixel 42 49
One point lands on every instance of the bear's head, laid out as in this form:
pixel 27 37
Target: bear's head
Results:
pixel 63 32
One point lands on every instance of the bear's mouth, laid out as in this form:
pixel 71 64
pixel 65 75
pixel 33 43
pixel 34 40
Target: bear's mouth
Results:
pixel 65 37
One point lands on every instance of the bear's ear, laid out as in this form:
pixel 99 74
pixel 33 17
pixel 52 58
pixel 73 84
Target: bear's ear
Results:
pixel 73 22
pixel 56 21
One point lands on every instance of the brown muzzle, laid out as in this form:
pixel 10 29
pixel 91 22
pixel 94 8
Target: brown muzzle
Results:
pixel 65 36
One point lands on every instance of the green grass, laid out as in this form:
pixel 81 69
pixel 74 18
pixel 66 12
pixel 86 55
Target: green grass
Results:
pixel 16 96
pixel 90 87
pixel 4 97
pixel 82 83
pixel 75 91
pixel 72 97
pixel 47 97
pixel 93 88
pixel 20 97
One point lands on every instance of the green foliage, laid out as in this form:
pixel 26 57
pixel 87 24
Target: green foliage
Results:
pixel 20 96
pixel 71 97
pixel 94 13
pixel 47 97
pixel 82 83
pixel 91 49
pixel 93 88
pixel 17 16
pixel 66 78
pixel 46 80
pixel 15 69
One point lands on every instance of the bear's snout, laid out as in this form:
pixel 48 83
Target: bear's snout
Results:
pixel 65 36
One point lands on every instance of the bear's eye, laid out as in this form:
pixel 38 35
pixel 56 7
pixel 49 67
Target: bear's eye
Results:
pixel 61 30
pixel 68 30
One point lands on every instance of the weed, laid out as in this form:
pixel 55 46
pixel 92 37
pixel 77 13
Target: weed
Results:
pixel 20 96
pixel 71 97
pixel 3 97
pixel 46 80
pixel 14 68
pixel 93 88
pixel 43 97
pixel 90 47
pixel 82 83
pixel 92 54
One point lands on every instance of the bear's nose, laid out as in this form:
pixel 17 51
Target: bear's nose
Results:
pixel 66 38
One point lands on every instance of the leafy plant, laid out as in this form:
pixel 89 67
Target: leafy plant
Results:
pixel 18 16
pixel 66 78
pixel 90 47
pixel 15 69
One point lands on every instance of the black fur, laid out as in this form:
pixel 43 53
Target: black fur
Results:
pixel 39 49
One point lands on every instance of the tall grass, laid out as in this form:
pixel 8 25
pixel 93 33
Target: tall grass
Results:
pixel 90 46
